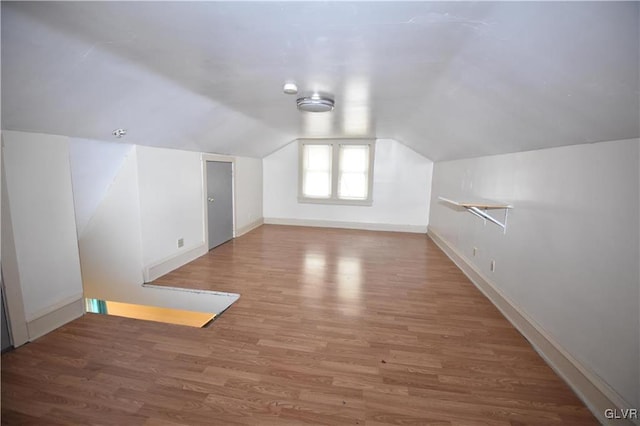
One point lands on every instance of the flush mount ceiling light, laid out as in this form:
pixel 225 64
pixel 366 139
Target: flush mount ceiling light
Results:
pixel 118 133
pixel 315 103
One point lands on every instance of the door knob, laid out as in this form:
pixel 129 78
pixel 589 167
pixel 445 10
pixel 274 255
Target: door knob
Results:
pixel 210 199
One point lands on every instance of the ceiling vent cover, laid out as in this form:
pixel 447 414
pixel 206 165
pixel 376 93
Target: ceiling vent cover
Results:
pixel 315 103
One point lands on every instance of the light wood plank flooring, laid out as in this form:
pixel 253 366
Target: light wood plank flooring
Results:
pixel 332 327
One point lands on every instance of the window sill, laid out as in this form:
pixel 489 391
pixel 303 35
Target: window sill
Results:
pixel 333 201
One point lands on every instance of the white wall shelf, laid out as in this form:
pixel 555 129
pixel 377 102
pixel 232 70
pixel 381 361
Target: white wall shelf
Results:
pixel 480 208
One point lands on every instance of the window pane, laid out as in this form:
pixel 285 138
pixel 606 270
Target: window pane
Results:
pixel 317 157
pixel 317 184
pixel 353 186
pixel 354 172
pixel 354 158
pixel 316 179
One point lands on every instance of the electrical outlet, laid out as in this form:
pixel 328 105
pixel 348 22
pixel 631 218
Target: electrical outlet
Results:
pixel 475 251
pixel 493 266
pixel 180 242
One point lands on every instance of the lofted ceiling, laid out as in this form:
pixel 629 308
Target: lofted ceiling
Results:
pixel 448 79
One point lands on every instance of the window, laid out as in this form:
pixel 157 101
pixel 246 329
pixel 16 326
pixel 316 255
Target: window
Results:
pixel 316 182
pixel 336 172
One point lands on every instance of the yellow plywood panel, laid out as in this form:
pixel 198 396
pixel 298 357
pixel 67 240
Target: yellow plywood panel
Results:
pixel 154 313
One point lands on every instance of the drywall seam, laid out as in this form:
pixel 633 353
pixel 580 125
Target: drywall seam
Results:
pixel 594 392
pixel 249 227
pixel 158 269
pixel 390 227
pixel 54 319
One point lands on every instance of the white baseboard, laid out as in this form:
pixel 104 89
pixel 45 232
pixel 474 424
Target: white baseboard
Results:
pixel 52 308
pixel 250 227
pixel 418 229
pixel 158 269
pixel 55 318
pixel 594 392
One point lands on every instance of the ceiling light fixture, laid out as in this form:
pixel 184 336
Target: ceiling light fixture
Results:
pixel 315 103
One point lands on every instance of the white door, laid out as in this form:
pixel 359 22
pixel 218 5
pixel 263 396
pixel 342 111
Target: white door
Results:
pixel 219 202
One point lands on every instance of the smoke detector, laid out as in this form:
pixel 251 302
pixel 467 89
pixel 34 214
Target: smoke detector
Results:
pixel 118 133
pixel 290 88
pixel 315 103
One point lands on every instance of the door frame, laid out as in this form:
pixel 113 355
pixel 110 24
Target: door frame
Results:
pixel 205 204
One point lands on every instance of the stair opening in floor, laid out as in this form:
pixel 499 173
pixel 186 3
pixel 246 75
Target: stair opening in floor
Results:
pixel 150 313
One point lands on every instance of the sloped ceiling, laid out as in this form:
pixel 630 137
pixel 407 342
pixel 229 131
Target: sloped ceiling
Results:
pixel 450 80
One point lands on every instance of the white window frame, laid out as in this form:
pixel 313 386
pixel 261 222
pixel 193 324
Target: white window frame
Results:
pixel 335 171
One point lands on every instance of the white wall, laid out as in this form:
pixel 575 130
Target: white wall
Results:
pixel 248 195
pixel 401 190
pixel 40 200
pixel 171 201
pixel 11 274
pixel 569 258
pixel 94 165
pixel 111 245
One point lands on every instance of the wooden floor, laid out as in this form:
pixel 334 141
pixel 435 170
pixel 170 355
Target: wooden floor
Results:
pixel 332 327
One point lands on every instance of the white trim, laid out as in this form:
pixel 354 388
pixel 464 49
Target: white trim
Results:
pixel 52 308
pixel 339 202
pixel 417 229
pixel 13 297
pixel 249 227
pixel 205 204
pixel 56 318
pixel 590 388
pixel 158 269
pixel 192 290
pixel 217 157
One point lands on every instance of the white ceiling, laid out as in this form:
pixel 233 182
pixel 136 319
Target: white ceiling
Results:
pixel 450 80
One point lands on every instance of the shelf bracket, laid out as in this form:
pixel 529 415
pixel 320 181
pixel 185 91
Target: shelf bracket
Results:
pixel 480 209
pixel 484 215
